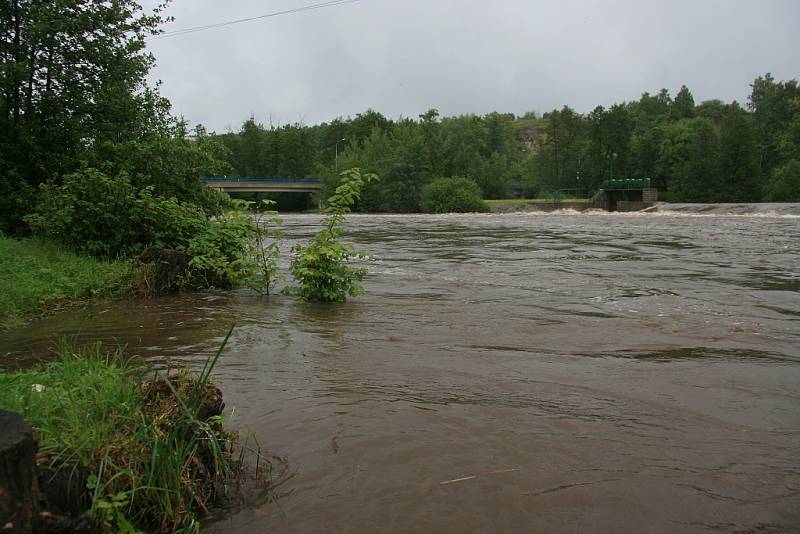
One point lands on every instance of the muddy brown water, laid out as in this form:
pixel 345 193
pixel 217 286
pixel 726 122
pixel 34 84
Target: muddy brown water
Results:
pixel 509 373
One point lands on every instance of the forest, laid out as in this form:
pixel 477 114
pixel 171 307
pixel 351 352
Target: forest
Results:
pixel 74 99
pixel 707 152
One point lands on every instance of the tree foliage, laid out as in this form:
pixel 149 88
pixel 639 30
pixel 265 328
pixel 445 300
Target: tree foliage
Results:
pixel 72 78
pixel 108 217
pixel 784 185
pixel 707 152
pixel 321 267
pixel 73 92
pixel 452 195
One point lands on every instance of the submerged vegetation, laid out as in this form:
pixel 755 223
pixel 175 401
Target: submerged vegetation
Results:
pixel 321 267
pixel 133 450
pixel 452 195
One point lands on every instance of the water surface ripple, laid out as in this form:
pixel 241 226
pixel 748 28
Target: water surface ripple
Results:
pixel 510 373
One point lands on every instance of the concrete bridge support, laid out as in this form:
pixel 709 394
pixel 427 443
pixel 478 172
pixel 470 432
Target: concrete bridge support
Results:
pixel 625 199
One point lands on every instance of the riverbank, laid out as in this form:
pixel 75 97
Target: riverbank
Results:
pixel 119 447
pixel 37 277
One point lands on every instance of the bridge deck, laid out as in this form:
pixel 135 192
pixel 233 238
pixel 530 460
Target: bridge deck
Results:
pixel 257 184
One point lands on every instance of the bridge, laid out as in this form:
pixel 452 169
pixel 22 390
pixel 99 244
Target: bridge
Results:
pixel 262 184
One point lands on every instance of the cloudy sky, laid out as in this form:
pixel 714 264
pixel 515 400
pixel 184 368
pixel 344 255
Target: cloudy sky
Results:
pixel 402 57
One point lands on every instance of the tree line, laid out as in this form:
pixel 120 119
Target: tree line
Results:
pixel 708 152
pixel 74 99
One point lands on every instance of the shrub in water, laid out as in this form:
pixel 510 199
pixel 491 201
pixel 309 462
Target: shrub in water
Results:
pixel 320 268
pixel 224 254
pixel 452 195
pixel 267 243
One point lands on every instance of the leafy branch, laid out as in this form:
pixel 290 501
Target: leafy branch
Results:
pixel 321 268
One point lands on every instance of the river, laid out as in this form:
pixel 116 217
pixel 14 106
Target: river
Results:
pixel 528 372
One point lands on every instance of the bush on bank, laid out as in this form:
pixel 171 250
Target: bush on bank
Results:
pixel 150 452
pixel 452 195
pixel 175 245
pixel 106 217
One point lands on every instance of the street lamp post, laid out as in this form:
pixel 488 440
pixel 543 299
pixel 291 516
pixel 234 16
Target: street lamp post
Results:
pixel 336 159
pixel 612 158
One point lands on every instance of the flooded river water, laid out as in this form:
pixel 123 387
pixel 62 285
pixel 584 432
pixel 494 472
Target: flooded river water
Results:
pixel 556 372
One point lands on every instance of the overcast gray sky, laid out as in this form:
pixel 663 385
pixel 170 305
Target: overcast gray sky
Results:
pixel 402 57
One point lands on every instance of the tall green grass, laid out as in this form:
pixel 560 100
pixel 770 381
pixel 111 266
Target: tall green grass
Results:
pixel 151 459
pixel 35 274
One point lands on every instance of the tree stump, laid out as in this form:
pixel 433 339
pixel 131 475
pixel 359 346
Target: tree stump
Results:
pixel 19 489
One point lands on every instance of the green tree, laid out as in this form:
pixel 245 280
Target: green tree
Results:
pixel 360 127
pixel 784 185
pixel 608 151
pixel 713 110
pixel 739 170
pixel 452 195
pixel 645 147
pixel 73 91
pixel 683 105
pixel 410 170
pixel 690 159
pixel 433 143
pixel 172 165
pixel 297 155
pixel 652 109
pixel 561 148
pixel 73 76
pixel 773 109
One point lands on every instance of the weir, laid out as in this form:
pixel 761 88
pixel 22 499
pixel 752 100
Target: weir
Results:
pixel 625 195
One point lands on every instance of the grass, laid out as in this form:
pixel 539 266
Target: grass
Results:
pixel 36 275
pixel 150 453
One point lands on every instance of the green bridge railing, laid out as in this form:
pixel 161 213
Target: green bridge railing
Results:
pixel 258 180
